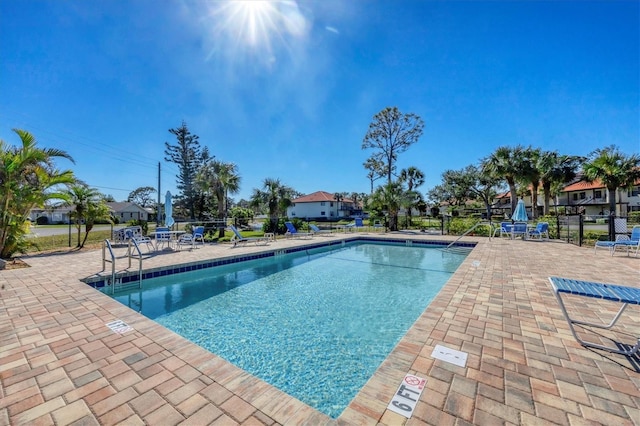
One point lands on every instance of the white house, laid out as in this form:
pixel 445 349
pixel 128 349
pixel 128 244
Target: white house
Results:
pixel 50 215
pixel 126 211
pixel 321 205
pixel 123 211
pixel 592 198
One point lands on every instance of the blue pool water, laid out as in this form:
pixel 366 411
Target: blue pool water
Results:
pixel 314 324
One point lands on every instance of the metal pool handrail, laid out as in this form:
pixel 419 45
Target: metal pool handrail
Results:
pixel 130 252
pixel 107 245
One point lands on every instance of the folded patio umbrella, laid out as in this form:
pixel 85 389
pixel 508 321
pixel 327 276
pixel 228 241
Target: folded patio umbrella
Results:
pixel 168 210
pixel 520 214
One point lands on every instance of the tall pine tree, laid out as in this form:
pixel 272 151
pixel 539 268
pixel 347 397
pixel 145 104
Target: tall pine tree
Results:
pixel 188 155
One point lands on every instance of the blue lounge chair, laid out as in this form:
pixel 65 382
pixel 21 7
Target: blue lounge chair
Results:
pixel 239 239
pixel 542 229
pixel 293 232
pixel 357 224
pixel 630 243
pixel 610 292
pixel 318 231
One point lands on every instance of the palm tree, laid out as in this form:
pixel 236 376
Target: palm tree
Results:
pixel 276 197
pixel 414 178
pixel 614 169
pixel 506 163
pixel 219 178
pixel 388 198
pixel 28 179
pixel 84 199
pixel 531 174
pixel 556 169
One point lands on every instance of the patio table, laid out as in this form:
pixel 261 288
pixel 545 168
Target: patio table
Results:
pixel 173 236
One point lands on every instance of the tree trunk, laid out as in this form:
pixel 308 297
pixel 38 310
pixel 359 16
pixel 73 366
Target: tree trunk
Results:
pixel 534 201
pixel 514 196
pixel 612 201
pixel 546 188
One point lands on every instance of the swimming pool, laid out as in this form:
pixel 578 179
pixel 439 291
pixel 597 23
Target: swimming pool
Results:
pixel 316 324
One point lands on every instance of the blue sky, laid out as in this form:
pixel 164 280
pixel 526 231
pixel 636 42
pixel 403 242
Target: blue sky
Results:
pixel 288 89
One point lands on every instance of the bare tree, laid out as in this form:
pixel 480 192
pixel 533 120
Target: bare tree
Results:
pixel 391 133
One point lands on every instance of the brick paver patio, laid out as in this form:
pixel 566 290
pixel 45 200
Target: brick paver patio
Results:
pixel 60 364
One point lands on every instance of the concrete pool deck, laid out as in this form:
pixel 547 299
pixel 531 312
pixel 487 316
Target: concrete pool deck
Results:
pixel 60 364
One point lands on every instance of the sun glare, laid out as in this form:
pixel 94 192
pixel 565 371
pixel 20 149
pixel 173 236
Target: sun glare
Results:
pixel 258 26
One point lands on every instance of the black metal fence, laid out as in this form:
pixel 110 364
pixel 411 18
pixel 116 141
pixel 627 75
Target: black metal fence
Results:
pixel 581 230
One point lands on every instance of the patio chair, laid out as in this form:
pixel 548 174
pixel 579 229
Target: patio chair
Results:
pixel 541 229
pixel 198 235
pixel 163 237
pixel 185 240
pixel 631 243
pixel 131 235
pixel 377 225
pixel 293 232
pixel 318 231
pixel 239 239
pixel 504 230
pixel 609 292
pixel 519 229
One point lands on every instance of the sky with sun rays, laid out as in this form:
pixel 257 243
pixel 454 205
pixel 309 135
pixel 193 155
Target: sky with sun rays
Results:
pixel 287 89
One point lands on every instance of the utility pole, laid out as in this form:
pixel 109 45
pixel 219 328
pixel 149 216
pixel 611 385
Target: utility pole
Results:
pixel 158 205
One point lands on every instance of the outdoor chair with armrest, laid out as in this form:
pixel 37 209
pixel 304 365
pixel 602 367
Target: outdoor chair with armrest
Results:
pixel 198 234
pixel 185 240
pixel 504 229
pixel 163 237
pixel 541 229
pixel 239 239
pixel 519 229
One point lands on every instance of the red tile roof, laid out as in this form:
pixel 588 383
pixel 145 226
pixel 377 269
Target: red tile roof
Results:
pixel 583 185
pixel 319 196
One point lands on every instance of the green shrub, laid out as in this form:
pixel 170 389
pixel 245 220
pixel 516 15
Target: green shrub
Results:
pixel 460 225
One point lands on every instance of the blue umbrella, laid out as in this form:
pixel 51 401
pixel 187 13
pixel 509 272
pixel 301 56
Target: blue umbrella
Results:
pixel 520 214
pixel 168 210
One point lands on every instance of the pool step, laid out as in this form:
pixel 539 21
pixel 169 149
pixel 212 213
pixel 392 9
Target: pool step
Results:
pixel 458 249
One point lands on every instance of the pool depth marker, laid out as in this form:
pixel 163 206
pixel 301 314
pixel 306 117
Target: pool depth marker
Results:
pixel 406 397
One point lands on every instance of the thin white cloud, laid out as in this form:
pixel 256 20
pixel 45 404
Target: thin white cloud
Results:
pixel 332 29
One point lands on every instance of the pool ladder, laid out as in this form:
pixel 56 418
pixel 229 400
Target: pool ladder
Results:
pixel 452 248
pixel 112 259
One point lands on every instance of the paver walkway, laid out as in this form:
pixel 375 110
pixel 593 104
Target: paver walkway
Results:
pixel 60 364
